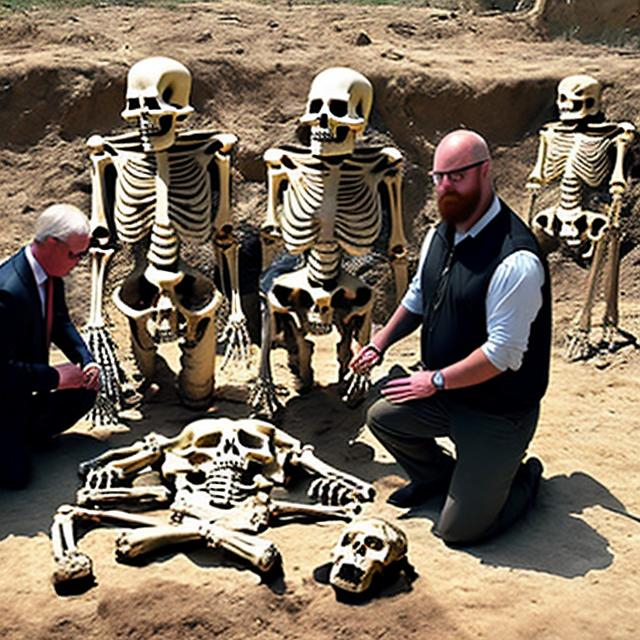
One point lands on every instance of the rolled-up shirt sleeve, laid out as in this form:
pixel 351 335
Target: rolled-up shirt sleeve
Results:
pixel 513 300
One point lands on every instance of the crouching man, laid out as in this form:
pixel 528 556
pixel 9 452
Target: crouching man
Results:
pixel 39 400
pixel 482 299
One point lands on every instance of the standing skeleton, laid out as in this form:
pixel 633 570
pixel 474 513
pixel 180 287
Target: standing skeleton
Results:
pixel 327 200
pixel 162 186
pixel 581 150
pixel 216 476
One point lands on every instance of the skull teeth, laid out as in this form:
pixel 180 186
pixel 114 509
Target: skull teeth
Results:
pixel 164 336
pixel 322 135
pixel 351 574
pixel 319 328
pixel 148 129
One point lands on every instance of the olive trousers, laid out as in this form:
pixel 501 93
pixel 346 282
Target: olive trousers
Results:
pixel 489 488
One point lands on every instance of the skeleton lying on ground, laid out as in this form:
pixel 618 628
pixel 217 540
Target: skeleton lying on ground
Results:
pixel 368 549
pixel 162 187
pixel 216 477
pixel 584 152
pixel 326 200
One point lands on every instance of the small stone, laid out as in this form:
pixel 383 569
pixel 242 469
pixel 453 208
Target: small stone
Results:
pixel 391 54
pixel 363 39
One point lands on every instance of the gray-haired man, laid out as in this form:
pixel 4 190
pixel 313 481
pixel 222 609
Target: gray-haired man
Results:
pixel 39 400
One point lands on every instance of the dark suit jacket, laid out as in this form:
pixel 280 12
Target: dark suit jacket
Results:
pixel 23 351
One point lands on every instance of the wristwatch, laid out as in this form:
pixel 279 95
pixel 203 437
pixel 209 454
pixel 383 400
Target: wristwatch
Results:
pixel 437 380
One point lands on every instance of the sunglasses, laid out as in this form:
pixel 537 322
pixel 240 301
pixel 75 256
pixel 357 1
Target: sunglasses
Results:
pixel 73 255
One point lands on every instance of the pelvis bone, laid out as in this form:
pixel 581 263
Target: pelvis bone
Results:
pixel 163 306
pixel 318 308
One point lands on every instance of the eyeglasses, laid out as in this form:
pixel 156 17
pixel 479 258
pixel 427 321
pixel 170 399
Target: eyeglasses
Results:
pixel 73 255
pixel 455 175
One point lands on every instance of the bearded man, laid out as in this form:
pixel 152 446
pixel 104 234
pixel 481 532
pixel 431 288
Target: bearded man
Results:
pixel 481 296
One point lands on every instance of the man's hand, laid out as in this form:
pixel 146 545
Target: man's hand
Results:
pixel 417 385
pixel 367 358
pixel 91 376
pixel 71 376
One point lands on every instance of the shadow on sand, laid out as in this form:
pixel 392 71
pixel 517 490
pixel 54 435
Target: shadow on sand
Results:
pixel 552 538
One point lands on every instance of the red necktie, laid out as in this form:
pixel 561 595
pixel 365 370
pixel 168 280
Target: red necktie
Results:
pixel 48 316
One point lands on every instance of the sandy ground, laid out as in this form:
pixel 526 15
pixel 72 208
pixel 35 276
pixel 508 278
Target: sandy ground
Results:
pixel 569 570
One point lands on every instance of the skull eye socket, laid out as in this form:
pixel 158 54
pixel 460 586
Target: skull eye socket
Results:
pixel 166 96
pixel 577 105
pixel 347 538
pixel 133 103
pixel 249 441
pixel 563 98
pixel 152 104
pixel 589 103
pixel 208 440
pixel 315 106
pixel 373 542
pixel 338 108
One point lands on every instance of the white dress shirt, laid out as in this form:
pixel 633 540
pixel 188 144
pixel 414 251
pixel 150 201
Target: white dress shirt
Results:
pixel 40 276
pixel 513 300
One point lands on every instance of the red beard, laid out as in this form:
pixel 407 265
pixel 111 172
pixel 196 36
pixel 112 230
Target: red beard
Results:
pixel 456 208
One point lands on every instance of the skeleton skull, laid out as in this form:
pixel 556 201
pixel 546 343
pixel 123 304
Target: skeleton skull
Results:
pixel 162 323
pixel 338 109
pixel 157 99
pixel 366 549
pixel 216 453
pixel 578 98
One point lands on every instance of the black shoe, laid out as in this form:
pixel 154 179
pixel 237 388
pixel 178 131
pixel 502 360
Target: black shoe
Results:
pixel 531 472
pixel 416 493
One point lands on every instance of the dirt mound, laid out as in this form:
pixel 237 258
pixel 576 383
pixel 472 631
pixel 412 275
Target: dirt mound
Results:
pixel 616 22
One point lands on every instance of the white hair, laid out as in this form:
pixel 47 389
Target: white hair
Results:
pixel 61 221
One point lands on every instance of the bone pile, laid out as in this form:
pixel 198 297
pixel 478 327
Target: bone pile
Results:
pixel 216 478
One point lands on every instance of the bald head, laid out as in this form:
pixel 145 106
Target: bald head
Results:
pixel 458 149
pixel 461 173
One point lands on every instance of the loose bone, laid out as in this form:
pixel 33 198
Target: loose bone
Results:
pixel 72 565
pixel 261 553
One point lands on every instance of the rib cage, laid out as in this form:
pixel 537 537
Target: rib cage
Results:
pixel 331 208
pixel 139 209
pixel 579 159
pixel 226 487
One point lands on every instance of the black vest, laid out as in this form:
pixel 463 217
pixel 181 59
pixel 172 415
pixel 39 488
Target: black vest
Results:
pixel 455 322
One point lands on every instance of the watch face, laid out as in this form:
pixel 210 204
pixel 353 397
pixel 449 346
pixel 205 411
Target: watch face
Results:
pixel 438 380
